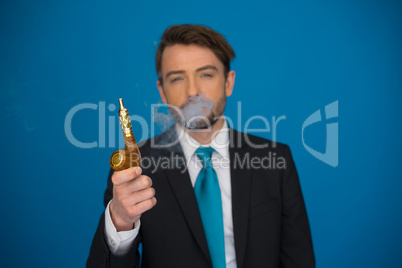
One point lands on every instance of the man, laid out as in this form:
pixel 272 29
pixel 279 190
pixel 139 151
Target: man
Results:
pixel 249 216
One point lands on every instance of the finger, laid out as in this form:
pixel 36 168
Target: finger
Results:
pixel 143 195
pixel 137 197
pixel 142 207
pixel 123 176
pixel 140 183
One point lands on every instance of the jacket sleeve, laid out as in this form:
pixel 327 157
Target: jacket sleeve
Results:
pixel 100 256
pixel 296 242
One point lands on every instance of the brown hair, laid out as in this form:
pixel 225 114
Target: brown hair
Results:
pixel 187 34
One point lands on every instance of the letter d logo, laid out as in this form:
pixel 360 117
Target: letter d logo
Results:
pixel 330 156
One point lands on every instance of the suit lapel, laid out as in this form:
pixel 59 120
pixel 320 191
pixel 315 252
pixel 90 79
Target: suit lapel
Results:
pixel 181 186
pixel 241 186
pixel 180 183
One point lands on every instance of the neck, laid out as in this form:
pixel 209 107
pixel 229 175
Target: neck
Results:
pixel 205 136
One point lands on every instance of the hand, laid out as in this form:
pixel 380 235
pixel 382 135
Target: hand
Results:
pixel 132 195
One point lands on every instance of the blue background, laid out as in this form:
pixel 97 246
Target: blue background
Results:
pixel 293 58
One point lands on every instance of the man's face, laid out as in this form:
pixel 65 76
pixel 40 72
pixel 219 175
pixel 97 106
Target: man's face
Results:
pixel 194 80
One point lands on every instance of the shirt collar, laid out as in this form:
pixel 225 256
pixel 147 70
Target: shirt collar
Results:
pixel 220 142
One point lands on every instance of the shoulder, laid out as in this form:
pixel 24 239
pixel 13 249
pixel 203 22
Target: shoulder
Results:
pixel 262 154
pixel 253 143
pixel 248 148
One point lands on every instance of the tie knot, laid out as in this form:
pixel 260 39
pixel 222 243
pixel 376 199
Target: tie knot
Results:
pixel 205 154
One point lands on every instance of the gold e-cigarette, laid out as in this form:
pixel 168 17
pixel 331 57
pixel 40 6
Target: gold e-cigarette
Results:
pixel 130 157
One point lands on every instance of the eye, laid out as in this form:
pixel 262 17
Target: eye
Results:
pixel 207 75
pixel 175 79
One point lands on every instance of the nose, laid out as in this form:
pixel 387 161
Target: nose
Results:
pixel 193 89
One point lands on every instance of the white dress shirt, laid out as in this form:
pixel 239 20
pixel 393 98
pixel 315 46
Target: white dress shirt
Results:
pixel 119 242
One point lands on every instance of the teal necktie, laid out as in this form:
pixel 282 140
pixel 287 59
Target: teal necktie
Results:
pixel 209 201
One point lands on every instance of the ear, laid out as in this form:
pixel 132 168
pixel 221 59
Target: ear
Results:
pixel 229 84
pixel 161 91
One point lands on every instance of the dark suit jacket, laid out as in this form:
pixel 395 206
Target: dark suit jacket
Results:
pixel 270 222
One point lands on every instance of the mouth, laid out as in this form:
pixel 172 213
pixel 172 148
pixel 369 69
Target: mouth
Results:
pixel 195 111
pixel 205 110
